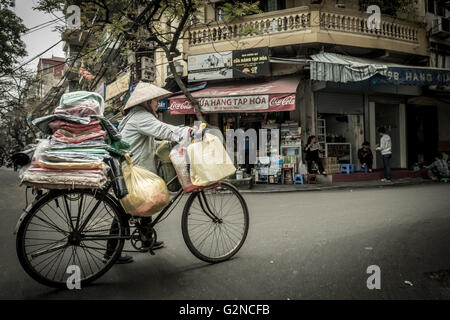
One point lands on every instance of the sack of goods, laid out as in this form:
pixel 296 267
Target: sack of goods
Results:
pixel 209 161
pixel 147 192
pixel 80 139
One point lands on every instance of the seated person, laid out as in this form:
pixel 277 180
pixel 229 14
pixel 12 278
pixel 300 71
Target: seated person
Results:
pixel 365 156
pixel 438 169
pixel 312 150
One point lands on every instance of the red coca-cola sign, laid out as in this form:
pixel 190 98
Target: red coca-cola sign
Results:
pixel 282 101
pixel 180 105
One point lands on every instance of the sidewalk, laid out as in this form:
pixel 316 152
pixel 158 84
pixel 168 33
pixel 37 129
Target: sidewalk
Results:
pixel 272 188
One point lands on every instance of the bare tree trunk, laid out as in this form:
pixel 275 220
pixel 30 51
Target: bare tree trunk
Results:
pixel 197 108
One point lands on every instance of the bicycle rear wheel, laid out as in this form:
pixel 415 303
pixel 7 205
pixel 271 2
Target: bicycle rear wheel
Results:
pixel 215 223
pixel 52 237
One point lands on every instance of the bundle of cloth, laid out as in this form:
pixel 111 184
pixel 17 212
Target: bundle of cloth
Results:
pixel 80 141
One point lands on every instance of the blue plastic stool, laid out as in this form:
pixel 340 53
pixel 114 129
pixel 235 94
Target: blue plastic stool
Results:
pixel 299 179
pixel 347 168
pixel 366 169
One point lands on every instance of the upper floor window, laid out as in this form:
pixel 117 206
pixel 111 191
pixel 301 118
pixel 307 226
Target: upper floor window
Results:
pixel 264 5
pixel 272 5
pixel 437 7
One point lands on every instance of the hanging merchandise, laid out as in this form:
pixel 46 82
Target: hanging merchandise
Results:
pixel 147 192
pixel 209 161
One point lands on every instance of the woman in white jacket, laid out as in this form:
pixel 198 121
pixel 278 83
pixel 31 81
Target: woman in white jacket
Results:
pixel 140 127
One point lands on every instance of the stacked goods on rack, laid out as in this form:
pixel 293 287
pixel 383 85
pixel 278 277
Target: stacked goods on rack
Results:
pixel 290 133
pixel 331 165
pixel 74 155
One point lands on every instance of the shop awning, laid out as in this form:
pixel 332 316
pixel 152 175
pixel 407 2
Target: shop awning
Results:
pixel 334 67
pixel 243 96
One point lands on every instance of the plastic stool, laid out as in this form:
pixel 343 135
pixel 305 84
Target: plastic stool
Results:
pixel 312 179
pixel 299 179
pixel 347 168
pixel 446 180
pixel 366 169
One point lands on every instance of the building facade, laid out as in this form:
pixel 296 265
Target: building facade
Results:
pixel 400 84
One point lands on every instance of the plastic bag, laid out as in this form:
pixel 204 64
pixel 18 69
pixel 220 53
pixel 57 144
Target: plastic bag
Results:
pixel 209 161
pixel 179 159
pixel 41 148
pixel 147 193
pixel 81 103
pixel 302 168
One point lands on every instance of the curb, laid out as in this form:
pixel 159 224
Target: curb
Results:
pixel 339 187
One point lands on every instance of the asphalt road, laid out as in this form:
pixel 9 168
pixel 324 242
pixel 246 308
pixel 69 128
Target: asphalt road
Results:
pixel 306 245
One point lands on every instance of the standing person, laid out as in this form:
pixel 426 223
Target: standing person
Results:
pixel 438 169
pixel 365 156
pixel 312 150
pixel 140 127
pixel 385 148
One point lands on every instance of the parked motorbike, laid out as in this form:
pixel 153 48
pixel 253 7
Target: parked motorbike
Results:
pixel 22 158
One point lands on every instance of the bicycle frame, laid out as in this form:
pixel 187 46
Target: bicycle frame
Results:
pixel 205 207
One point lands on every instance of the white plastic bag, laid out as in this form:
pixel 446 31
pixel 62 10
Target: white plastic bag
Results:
pixel 42 146
pixel 180 162
pixel 209 161
pixel 302 168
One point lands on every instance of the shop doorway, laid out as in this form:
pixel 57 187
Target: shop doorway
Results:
pixel 388 116
pixel 344 135
pixel 422 133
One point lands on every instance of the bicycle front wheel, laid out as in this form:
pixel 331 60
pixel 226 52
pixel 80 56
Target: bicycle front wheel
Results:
pixel 215 223
pixel 69 232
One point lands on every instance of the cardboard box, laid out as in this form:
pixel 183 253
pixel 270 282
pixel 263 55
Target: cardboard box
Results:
pixel 330 160
pixel 333 168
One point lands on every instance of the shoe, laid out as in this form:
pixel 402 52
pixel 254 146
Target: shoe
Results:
pixel 123 259
pixel 158 245
pixel 383 180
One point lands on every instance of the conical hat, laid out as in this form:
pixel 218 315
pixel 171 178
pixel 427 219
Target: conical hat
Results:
pixel 145 91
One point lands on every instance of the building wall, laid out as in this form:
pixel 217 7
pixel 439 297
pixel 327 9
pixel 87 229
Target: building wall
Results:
pixel 444 124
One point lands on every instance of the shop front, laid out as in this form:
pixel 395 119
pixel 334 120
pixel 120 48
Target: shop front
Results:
pixel 353 97
pixel 242 110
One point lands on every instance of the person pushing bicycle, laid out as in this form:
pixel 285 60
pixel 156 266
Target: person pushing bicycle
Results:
pixel 140 127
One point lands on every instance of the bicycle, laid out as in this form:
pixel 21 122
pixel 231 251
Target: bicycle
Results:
pixel 89 228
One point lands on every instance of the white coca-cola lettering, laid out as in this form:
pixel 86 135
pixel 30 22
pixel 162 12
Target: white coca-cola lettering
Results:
pixel 180 105
pixel 282 101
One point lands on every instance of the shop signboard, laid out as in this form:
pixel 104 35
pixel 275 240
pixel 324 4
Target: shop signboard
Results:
pixel 229 64
pixel 163 104
pixel 251 62
pixel 210 66
pixel 411 76
pixel 269 96
pixel 254 103
pixel 119 86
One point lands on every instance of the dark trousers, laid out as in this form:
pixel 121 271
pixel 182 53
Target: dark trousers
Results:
pixel 317 160
pixel 368 161
pixel 387 166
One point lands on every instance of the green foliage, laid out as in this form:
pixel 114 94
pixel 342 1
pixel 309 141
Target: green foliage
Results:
pixel 234 10
pixel 12 47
